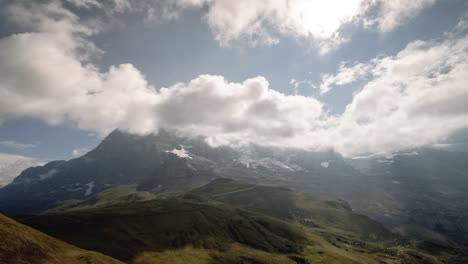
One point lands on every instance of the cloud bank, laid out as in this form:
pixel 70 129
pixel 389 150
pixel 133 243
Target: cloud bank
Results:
pixel 413 98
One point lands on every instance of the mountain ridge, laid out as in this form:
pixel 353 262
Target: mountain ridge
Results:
pixel 401 189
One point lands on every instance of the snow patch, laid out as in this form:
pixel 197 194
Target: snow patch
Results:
pixel 273 164
pixel 296 167
pixel 268 163
pixel 75 190
pixel 385 160
pixel 371 156
pixel 387 156
pixel 245 163
pixel 325 164
pixel 89 191
pixel 412 153
pixel 181 153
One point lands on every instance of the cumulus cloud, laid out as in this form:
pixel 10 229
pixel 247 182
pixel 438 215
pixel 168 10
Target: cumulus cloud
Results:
pixel 52 81
pixel 389 14
pixel 44 74
pixel 261 22
pixel 313 20
pixel 413 98
pixel 235 113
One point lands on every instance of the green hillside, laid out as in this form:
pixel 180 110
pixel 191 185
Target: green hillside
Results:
pixel 116 195
pixel 229 221
pixel 424 234
pixel 295 207
pixel 168 223
pixel 22 244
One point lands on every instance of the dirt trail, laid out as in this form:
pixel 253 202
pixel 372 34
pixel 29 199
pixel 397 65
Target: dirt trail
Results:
pixel 236 191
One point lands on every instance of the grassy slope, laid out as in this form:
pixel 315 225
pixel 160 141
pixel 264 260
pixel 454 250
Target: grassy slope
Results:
pixel 425 234
pixel 202 226
pixel 168 223
pixel 232 253
pixel 22 244
pixel 333 220
pixel 291 206
pixel 119 194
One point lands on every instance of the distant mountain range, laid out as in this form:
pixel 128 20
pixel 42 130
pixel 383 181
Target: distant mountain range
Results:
pixel 419 189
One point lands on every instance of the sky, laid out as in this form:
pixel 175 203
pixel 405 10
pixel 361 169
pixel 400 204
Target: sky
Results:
pixel 357 76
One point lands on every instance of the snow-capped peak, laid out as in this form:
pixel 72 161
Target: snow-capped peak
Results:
pixel 181 153
pixel 325 164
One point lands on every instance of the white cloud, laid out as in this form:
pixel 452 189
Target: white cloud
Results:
pixel 235 113
pixel 69 88
pixel 344 76
pixel 414 98
pixel 15 145
pixel 262 21
pixel 12 165
pixel 392 13
pixel 45 74
pixel 110 6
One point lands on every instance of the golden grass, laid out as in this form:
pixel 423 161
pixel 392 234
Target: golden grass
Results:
pixel 20 244
pixel 232 253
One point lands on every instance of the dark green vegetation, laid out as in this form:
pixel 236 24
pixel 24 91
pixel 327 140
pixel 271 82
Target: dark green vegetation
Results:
pixel 22 244
pixel 295 207
pixel 117 195
pixel 228 221
pixel 168 223
pixel 232 253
